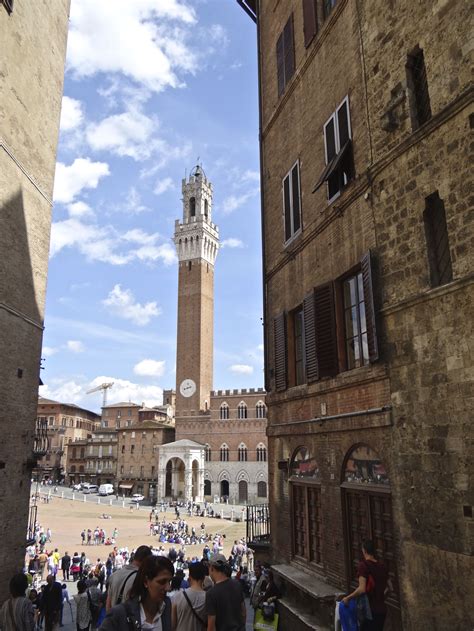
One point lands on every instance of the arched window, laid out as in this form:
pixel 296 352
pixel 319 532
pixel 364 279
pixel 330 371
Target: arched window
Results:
pixel 242 410
pixel 224 453
pixel 73 469
pixel 243 491
pixel 260 410
pixel 192 207
pixel 261 489
pixel 224 412
pixel 305 505
pixel 367 507
pixel 207 453
pixel 261 453
pixel 207 487
pixel 243 454
pixel 206 207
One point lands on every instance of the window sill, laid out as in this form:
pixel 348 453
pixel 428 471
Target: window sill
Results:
pixel 307 578
pixel 293 241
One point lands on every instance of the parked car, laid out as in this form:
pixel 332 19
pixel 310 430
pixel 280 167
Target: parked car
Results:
pixel 106 489
pixel 136 497
pixel 89 488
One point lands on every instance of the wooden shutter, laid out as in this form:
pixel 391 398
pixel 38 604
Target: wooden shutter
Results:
pixel 326 347
pixel 311 359
pixel 280 54
pixel 310 21
pixel 366 267
pixel 281 352
pixel 289 48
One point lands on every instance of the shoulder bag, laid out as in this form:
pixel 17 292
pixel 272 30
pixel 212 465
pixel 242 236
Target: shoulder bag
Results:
pixel 197 616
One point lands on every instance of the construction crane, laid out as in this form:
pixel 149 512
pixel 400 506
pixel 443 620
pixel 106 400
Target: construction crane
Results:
pixel 104 387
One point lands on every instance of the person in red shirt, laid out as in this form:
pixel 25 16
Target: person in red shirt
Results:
pixel 373 581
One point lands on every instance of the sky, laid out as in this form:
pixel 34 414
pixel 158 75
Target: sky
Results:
pixel 151 86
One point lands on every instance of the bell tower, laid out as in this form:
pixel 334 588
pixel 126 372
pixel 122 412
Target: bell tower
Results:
pixel 197 243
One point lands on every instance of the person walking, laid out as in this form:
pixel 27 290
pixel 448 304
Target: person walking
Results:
pixel 373 581
pixel 225 604
pixel 83 610
pixel 148 606
pixel 51 602
pixel 121 581
pixel 17 613
pixel 65 565
pixel 188 611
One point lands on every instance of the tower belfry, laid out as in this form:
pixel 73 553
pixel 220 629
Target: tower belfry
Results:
pixel 197 243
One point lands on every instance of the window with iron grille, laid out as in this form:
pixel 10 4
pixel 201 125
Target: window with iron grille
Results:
pixel 420 107
pixel 436 232
pixel 285 53
pixel 292 203
pixel 339 170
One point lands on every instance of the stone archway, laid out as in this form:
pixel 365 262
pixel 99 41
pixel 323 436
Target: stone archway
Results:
pixel 175 478
pixel 181 470
pixel 225 489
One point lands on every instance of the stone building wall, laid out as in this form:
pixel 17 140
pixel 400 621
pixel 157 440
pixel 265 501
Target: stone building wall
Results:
pixel 33 40
pixel 413 405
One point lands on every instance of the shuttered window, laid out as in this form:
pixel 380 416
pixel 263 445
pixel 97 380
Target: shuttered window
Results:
pixel 436 232
pixel 360 335
pixel 310 21
pixel 292 203
pixel 280 350
pixel 320 333
pixel 285 53
pixel 339 168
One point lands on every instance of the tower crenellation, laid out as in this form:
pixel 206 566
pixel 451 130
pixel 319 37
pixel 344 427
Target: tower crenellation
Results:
pixel 196 237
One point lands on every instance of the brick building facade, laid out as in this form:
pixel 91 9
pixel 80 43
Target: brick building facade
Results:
pixel 33 37
pixel 93 459
pixel 220 447
pixel 66 423
pixel 365 114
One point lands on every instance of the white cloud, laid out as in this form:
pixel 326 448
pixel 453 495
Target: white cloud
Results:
pixel 71 114
pixel 149 368
pixel 241 369
pixel 144 40
pixel 74 390
pixel 232 202
pixel 251 176
pixel 163 185
pixel 79 209
pixel 121 302
pixel 107 245
pixel 127 134
pixel 232 243
pixel 71 180
pixel 75 346
pixel 48 351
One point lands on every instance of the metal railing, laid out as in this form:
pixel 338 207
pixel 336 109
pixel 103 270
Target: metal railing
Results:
pixel 258 523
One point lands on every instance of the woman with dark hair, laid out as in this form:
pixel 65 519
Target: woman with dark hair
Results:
pixel 373 582
pixel 148 606
pixel 17 612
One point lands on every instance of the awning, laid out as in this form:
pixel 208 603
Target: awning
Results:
pixel 122 485
pixel 331 166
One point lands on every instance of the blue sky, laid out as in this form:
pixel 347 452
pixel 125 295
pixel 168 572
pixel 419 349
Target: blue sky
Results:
pixel 150 86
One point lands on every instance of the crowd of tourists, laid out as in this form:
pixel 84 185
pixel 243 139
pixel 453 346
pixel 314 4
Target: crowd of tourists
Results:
pixel 98 536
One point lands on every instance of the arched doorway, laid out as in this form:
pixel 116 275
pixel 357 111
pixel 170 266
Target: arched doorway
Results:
pixel 305 490
pixel 207 487
pixel 367 504
pixel 225 489
pixel 261 489
pixel 195 479
pixel 174 484
pixel 243 492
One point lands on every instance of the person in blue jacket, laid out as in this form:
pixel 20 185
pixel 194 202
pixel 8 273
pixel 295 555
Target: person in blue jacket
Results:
pixel 148 605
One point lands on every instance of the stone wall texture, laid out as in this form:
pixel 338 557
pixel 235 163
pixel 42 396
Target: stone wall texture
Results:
pixel 414 405
pixel 33 40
